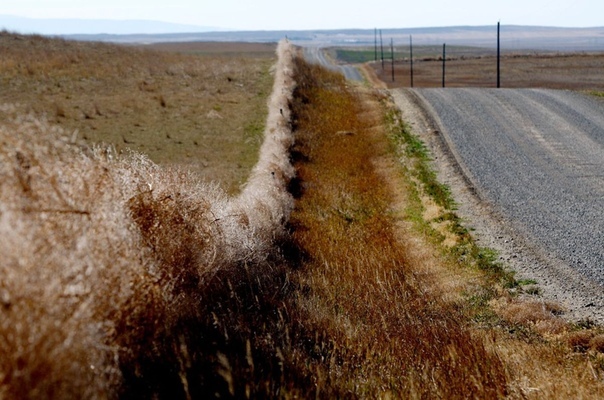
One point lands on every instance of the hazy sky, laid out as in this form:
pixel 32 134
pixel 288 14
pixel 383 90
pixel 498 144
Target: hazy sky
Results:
pixel 321 14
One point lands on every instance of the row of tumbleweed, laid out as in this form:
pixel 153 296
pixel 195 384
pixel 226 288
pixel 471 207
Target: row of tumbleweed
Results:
pixel 98 251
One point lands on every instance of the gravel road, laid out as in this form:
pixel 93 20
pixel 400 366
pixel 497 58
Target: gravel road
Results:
pixel 317 55
pixel 534 162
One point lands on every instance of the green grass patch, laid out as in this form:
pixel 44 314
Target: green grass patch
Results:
pixel 415 150
pixel 363 56
pixel 466 252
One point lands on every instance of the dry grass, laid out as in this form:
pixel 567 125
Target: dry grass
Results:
pixel 543 356
pixel 395 318
pixel 575 71
pixel 122 278
pixel 388 334
pixel 112 266
pixel 176 108
pixel 220 49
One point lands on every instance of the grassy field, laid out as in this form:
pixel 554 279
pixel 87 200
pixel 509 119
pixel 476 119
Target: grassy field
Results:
pixel 477 67
pixel 388 333
pixel 112 265
pixel 361 55
pixel 344 275
pixel 404 303
pixel 176 105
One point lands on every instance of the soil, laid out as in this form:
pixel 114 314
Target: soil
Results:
pixel 574 71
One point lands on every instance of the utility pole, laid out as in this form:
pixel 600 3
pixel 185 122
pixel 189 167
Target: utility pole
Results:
pixel 382 48
pixel 411 56
pixel 392 56
pixel 444 61
pixel 375 47
pixel 498 55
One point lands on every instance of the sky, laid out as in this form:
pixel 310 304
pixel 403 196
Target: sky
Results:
pixel 321 14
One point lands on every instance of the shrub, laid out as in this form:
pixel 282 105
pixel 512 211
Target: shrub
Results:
pixel 106 260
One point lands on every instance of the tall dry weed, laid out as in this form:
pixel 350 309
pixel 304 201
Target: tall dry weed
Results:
pixel 381 331
pixel 106 259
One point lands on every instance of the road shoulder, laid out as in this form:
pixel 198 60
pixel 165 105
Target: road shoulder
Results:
pixel 556 281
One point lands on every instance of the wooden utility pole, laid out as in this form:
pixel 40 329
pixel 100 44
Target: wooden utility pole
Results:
pixel 392 56
pixel 375 40
pixel 498 55
pixel 411 56
pixel 444 61
pixel 382 48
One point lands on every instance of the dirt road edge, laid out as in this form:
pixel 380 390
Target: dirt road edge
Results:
pixel 556 281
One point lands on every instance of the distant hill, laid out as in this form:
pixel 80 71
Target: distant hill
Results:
pixel 97 26
pixel 512 37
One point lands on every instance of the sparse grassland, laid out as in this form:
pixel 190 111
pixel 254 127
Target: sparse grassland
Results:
pixel 123 278
pixel 477 67
pixel 111 265
pixel 365 54
pixel 219 49
pixel 389 334
pixel 176 108
pixel 395 315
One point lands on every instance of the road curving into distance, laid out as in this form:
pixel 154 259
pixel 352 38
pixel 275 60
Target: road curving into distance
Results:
pixel 536 157
pixel 316 54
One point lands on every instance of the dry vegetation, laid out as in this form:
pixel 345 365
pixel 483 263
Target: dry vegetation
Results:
pixel 112 265
pixel 122 278
pixel 219 49
pixel 576 71
pixel 403 320
pixel 388 333
pixel 176 108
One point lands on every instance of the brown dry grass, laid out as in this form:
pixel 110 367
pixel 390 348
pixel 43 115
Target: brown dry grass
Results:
pixel 221 49
pixel 576 71
pixel 122 278
pixel 388 333
pixel 176 108
pixel 403 320
pixel 116 273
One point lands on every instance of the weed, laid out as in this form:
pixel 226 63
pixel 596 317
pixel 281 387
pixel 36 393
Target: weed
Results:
pixel 533 291
pixel 464 250
pixel 490 299
pixel 526 282
pixel 123 278
pixel 415 149
pixel 60 111
pixel 585 323
pixel 384 327
pixel 120 277
pixel 162 101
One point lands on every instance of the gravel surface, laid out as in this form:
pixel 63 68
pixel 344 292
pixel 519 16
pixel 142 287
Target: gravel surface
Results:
pixel 317 55
pixel 527 167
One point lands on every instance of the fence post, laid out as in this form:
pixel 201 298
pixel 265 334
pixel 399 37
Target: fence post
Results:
pixel 392 56
pixel 498 56
pixel 444 62
pixel 382 48
pixel 411 56
pixel 375 42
